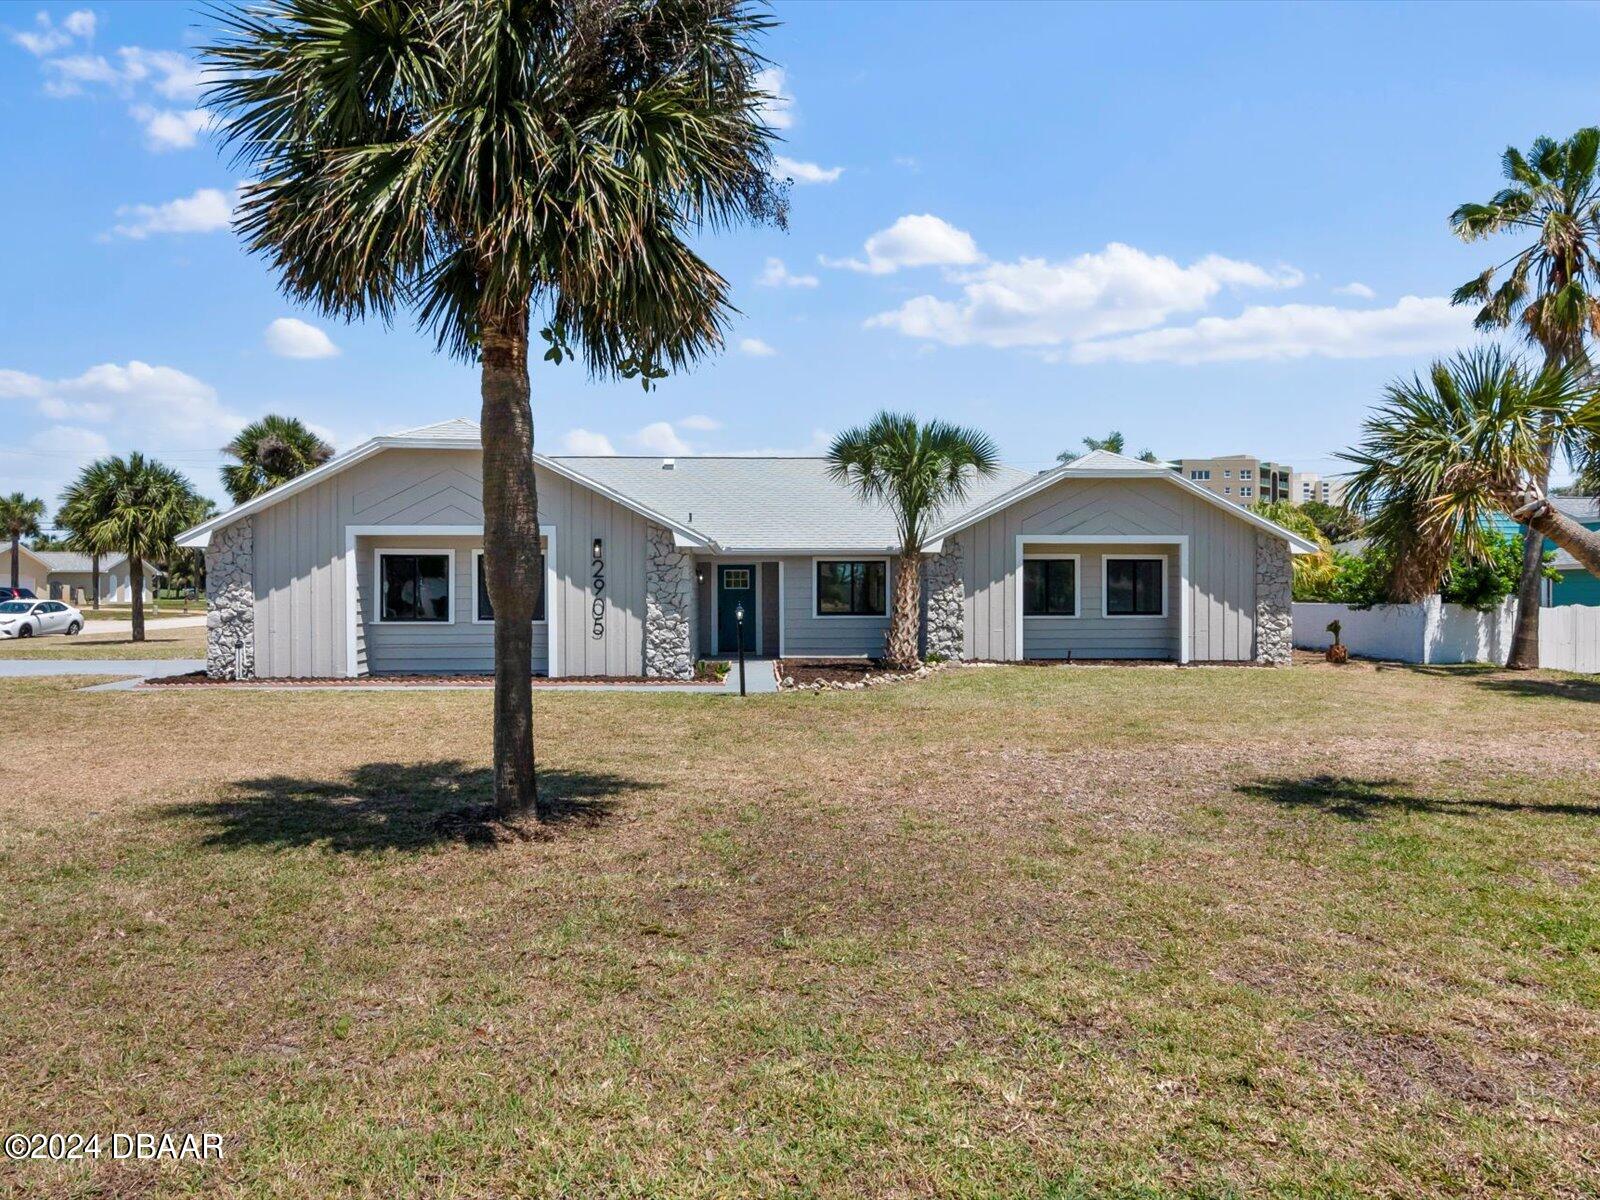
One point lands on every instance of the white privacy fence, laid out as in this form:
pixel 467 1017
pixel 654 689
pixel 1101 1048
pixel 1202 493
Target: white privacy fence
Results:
pixel 1434 632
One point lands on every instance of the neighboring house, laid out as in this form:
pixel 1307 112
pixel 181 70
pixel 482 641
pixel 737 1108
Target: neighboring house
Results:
pixel 31 569
pixel 370 564
pixel 1576 585
pixel 1242 479
pixel 72 572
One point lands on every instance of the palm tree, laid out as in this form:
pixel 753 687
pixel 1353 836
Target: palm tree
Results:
pixel 134 506
pixel 19 518
pixel 1444 453
pixel 916 470
pixel 270 451
pixel 1553 197
pixel 478 161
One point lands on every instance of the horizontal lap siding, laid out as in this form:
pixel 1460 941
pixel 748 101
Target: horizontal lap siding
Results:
pixel 461 645
pixel 300 570
pixel 806 635
pixel 1091 635
pixel 1221 568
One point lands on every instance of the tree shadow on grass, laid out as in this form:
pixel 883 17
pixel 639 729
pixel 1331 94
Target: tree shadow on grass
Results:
pixel 1583 690
pixel 394 806
pixel 1363 799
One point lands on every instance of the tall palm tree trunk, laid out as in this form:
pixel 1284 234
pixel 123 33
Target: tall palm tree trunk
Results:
pixel 510 551
pixel 94 580
pixel 16 560
pixel 136 581
pixel 1583 544
pixel 903 621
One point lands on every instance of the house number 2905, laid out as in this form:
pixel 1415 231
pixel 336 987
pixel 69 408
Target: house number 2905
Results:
pixel 597 585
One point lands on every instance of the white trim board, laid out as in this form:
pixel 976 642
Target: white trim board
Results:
pixel 1077 586
pixel 1105 587
pixel 1181 541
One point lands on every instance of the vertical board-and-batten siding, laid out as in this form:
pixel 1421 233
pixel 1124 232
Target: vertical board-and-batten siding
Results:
pixel 300 568
pixel 1221 560
pixel 1091 634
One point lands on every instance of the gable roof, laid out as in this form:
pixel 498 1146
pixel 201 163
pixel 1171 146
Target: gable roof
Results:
pixel 746 504
pixel 457 434
pixel 1103 464
pixel 36 555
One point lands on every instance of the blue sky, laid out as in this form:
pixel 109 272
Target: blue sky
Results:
pixel 1216 228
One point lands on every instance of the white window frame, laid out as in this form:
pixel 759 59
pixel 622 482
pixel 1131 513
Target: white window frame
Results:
pixel 1077 588
pixel 1105 587
pixel 380 553
pixel 888 588
pixel 1246 473
pixel 1227 472
pixel 544 549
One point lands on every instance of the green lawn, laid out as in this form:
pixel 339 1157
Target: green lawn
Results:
pixel 1009 932
pixel 187 642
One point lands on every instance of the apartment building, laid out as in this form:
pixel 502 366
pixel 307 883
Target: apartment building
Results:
pixel 1308 485
pixel 1240 478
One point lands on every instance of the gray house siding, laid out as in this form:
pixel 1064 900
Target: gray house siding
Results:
pixel 301 568
pixel 1092 634
pixel 1221 583
pixel 807 635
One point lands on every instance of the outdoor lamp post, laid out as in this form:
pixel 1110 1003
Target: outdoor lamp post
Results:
pixel 738 619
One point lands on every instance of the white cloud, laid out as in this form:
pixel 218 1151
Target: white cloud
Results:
pixel 137 400
pixel 1359 290
pixel 46 37
pixel 170 128
pixel 805 172
pixel 775 274
pixel 582 441
pixel 660 438
pixel 289 337
pixel 915 240
pixel 171 75
pixel 778 111
pixel 700 423
pixel 755 347
pixel 206 211
pixel 71 442
pixel 1033 302
pixel 1413 325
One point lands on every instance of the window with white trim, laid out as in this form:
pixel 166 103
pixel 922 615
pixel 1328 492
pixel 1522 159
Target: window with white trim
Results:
pixel 1135 587
pixel 847 588
pixel 413 587
pixel 1050 587
pixel 1245 473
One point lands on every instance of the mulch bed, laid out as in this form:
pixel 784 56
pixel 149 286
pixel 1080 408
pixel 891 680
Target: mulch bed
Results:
pixel 199 679
pixel 830 670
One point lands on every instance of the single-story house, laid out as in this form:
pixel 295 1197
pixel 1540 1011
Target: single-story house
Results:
pixel 71 572
pixel 44 571
pixel 371 564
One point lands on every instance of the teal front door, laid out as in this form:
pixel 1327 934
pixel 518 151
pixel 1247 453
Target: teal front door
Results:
pixel 736 587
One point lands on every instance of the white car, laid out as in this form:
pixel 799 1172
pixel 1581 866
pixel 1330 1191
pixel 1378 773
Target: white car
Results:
pixel 28 618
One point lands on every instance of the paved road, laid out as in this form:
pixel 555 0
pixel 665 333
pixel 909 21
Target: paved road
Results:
pixel 132 670
pixel 91 625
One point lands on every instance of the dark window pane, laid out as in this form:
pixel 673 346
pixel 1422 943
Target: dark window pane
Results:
pixel 415 587
pixel 486 608
pixel 1049 587
pixel 852 589
pixel 1133 587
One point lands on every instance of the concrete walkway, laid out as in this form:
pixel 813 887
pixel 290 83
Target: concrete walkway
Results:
pixel 132 670
pixel 759 676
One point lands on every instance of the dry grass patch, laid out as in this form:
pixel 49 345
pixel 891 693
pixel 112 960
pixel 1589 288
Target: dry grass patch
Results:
pixel 1011 932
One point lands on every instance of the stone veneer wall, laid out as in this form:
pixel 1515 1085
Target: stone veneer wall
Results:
pixel 668 607
pixel 1274 601
pixel 231 602
pixel 947 602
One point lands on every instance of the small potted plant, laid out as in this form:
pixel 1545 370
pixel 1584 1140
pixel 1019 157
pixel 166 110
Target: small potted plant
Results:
pixel 1338 652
